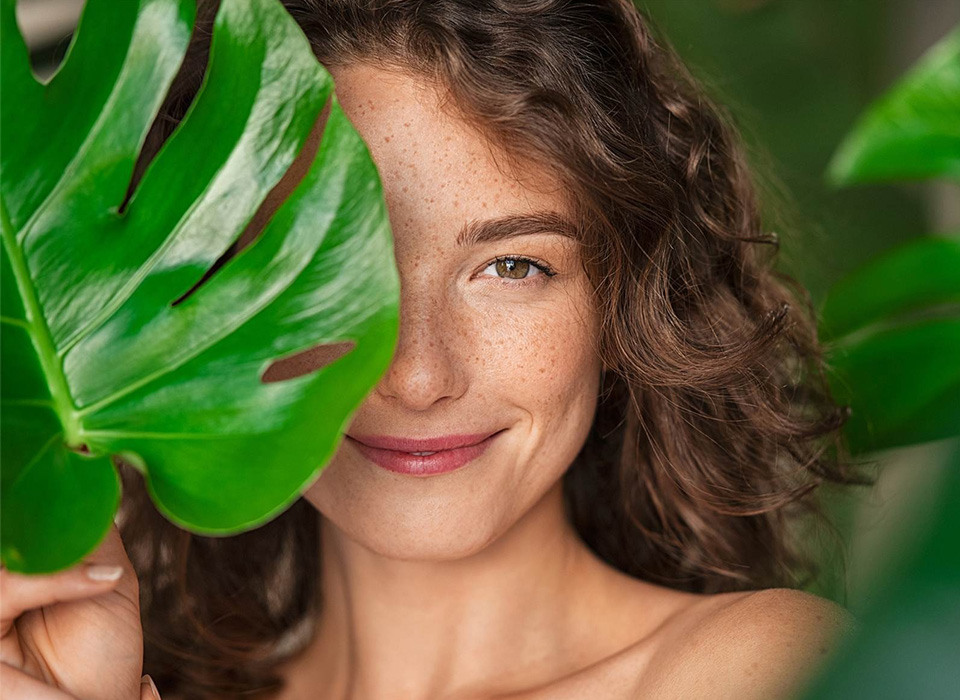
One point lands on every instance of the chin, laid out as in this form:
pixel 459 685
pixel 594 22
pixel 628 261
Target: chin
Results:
pixel 406 528
pixel 415 544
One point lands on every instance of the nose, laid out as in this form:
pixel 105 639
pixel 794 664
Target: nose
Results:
pixel 426 365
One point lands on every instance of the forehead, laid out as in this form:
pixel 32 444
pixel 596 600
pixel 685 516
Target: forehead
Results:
pixel 432 163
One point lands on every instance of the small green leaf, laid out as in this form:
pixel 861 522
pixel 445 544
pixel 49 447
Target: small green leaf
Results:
pixel 921 274
pixel 901 382
pixel 913 131
pixel 98 360
pixel 890 332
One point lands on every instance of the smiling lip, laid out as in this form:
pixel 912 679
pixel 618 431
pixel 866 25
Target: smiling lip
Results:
pixel 450 452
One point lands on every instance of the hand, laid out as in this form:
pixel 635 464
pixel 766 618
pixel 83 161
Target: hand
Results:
pixel 75 634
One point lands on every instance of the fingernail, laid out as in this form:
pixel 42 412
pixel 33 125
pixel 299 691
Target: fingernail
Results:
pixel 153 687
pixel 101 572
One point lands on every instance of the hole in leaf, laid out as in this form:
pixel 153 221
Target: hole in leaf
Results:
pixel 47 32
pixel 272 202
pixel 183 89
pixel 220 262
pixel 306 361
pixel 45 59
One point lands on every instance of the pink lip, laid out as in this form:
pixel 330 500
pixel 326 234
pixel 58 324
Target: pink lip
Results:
pixel 450 452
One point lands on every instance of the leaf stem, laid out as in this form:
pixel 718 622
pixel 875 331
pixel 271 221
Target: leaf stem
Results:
pixel 40 334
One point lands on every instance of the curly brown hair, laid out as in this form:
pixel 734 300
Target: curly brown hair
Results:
pixel 715 424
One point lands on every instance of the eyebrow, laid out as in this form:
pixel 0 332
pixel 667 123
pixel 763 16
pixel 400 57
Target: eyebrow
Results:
pixel 512 225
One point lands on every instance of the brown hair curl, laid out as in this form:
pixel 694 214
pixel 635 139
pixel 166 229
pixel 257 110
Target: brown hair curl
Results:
pixel 715 423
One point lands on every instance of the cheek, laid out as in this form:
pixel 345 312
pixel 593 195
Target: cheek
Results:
pixel 550 368
pixel 541 352
pixel 541 361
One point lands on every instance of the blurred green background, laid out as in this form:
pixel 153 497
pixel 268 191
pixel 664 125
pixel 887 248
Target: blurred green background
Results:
pixel 796 74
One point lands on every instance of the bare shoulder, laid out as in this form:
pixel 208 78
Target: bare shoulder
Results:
pixel 758 645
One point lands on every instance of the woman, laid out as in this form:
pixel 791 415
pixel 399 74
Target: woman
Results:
pixel 624 399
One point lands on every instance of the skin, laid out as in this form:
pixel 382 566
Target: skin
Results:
pixel 473 584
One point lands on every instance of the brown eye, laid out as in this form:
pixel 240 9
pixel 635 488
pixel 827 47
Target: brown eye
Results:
pixel 520 268
pixel 512 268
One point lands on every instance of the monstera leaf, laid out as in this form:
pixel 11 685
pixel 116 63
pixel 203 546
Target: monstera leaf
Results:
pixel 103 354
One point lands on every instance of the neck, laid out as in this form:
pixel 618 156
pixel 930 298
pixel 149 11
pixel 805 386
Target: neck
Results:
pixel 393 628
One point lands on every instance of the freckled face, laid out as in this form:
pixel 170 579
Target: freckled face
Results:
pixel 483 346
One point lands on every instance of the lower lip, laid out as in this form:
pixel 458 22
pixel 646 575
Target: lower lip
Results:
pixel 423 465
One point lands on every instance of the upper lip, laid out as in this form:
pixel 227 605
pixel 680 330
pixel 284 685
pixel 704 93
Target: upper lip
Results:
pixel 400 444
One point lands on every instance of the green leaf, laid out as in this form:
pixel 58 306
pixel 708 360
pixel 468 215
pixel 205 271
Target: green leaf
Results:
pixel 98 359
pixel 923 273
pixel 902 384
pixel 913 131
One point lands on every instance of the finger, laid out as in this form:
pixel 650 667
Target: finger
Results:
pixel 148 691
pixel 19 685
pixel 22 592
pixel 111 551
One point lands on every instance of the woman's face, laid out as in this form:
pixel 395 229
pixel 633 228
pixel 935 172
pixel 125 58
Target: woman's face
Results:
pixel 483 348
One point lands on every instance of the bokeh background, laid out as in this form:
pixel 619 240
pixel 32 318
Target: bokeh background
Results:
pixel 795 75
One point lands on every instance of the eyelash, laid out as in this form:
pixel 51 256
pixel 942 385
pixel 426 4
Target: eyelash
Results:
pixel 539 264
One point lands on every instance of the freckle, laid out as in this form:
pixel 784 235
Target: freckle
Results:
pixel 542 370
pixel 456 202
pixel 405 189
pixel 819 617
pixel 387 139
pixel 483 204
pixel 406 123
